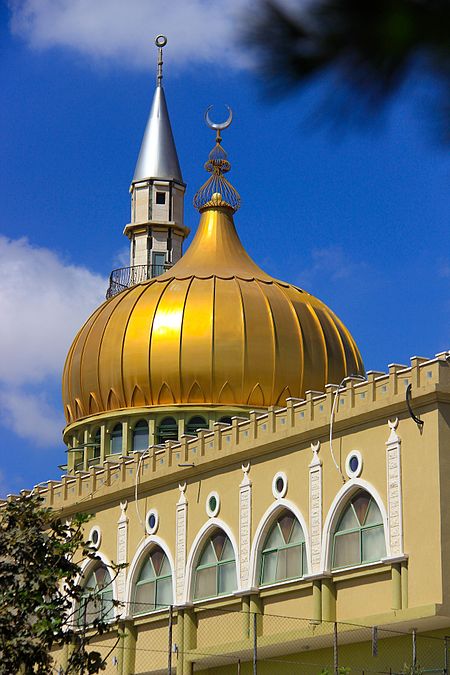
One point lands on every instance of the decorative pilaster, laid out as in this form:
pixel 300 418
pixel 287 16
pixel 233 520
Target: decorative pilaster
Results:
pixel 394 490
pixel 245 519
pixel 122 551
pixel 315 508
pixel 180 553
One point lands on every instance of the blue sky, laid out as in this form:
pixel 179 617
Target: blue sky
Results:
pixel 358 217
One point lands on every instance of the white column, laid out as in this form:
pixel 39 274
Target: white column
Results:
pixel 315 508
pixel 394 490
pixel 180 553
pixel 245 521
pixel 122 552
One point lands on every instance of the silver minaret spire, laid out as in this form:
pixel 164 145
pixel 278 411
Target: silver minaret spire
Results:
pixel 156 229
pixel 158 155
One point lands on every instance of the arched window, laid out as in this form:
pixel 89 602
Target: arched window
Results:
pixel 116 440
pixel 195 423
pixel 167 430
pixel 153 589
pixel 359 535
pixel 226 420
pixel 216 569
pixel 284 553
pixel 140 436
pixel 97 598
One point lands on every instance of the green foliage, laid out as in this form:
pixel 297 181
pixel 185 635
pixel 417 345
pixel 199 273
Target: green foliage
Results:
pixel 341 670
pixel 39 593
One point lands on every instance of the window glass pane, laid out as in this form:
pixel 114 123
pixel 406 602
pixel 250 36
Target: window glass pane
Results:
pixel 348 520
pixel 208 555
pixel 218 541
pixel 144 599
pixel 227 553
pixel 107 608
pixel 103 577
pixel 286 523
pixel 304 561
pixel 157 556
pixel 206 583
pixel 165 568
pixel 164 592
pixel 93 608
pixel 361 504
pixel 140 436
pixel 269 567
pixel 373 544
pixel 293 562
pixel 274 540
pixel 297 533
pixel 147 571
pixel 227 578
pixel 346 550
pixel 373 514
pixel 116 440
pixel 168 430
pixel 281 565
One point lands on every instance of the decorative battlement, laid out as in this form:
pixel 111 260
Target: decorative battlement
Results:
pixel 380 395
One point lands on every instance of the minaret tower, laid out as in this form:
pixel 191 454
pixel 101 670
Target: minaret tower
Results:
pixel 156 231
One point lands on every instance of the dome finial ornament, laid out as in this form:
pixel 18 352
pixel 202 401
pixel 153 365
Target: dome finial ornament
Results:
pixel 160 42
pixel 217 191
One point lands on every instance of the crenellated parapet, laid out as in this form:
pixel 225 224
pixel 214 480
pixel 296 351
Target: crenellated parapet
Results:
pixel 381 395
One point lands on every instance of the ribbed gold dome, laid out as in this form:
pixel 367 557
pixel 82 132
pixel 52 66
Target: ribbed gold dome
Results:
pixel 214 329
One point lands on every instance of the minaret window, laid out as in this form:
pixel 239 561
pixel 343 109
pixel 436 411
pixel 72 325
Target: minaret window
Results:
pixel 153 588
pixel 140 436
pixel 216 568
pixel 160 197
pixel 167 430
pixel 97 598
pixel 284 553
pixel 359 536
pixel 196 423
pixel 116 440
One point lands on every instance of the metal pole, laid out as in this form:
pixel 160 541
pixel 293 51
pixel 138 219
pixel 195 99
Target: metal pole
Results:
pixel 414 647
pixel 255 644
pixel 169 656
pixel 239 667
pixel 335 649
pixel 446 655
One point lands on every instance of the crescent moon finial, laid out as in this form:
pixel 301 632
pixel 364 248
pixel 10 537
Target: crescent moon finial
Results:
pixel 218 126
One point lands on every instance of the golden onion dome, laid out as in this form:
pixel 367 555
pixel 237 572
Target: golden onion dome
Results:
pixel 215 329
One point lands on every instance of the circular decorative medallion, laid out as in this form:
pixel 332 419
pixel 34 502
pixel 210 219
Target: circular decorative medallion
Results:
pixel 151 521
pixel 279 485
pixel 95 536
pixel 354 464
pixel 212 504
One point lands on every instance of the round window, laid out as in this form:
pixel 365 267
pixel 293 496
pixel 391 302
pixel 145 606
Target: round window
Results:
pixel 353 464
pixel 279 485
pixel 95 536
pixel 212 504
pixel 152 521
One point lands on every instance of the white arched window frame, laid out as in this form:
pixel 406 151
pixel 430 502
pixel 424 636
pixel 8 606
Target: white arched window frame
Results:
pixel 339 504
pixel 263 529
pixel 87 567
pixel 135 567
pixel 196 551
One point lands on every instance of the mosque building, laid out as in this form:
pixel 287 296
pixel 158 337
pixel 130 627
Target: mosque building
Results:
pixel 266 492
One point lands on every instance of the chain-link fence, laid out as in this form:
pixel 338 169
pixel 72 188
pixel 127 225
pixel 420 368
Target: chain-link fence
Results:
pixel 204 639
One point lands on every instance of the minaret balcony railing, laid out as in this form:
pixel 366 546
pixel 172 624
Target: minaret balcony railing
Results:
pixel 125 277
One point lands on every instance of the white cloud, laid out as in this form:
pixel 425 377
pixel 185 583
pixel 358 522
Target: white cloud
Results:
pixel 31 416
pixel 332 263
pixel 43 302
pixel 114 30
